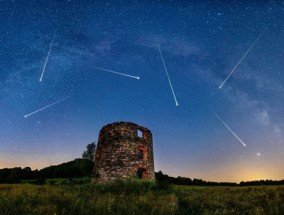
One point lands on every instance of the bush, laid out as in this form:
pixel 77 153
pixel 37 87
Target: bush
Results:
pixel 127 186
pixel 139 197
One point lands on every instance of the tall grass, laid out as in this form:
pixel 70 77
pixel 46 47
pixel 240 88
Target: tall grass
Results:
pixel 139 197
pixel 231 200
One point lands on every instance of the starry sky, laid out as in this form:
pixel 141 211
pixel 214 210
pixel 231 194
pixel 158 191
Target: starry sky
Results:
pixel 201 43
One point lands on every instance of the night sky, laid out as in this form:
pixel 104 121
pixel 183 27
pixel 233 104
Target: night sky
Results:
pixel 201 43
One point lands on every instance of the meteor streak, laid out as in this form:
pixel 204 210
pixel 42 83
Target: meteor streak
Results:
pixel 118 73
pixel 242 58
pixel 167 72
pixel 229 128
pixel 44 107
pixel 46 60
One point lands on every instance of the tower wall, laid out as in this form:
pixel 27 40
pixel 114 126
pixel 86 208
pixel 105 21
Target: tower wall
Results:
pixel 124 150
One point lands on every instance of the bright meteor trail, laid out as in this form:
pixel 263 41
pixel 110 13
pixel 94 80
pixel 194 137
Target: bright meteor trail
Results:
pixel 45 107
pixel 118 73
pixel 46 60
pixel 229 129
pixel 166 72
pixel 242 58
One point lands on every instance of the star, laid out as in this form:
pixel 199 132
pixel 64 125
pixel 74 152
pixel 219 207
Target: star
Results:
pixel 181 67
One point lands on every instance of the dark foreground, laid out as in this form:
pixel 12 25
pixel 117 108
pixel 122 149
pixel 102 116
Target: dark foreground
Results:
pixel 136 197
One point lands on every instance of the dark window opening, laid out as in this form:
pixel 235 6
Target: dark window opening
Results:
pixel 140 154
pixel 98 156
pixel 139 133
pixel 141 173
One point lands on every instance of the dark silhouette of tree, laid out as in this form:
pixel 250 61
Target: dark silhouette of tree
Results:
pixel 71 169
pixel 90 152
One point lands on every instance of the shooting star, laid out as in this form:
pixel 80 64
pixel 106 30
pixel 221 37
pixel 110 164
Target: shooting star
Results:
pixel 118 73
pixel 173 92
pixel 244 145
pixel 46 60
pixel 45 107
pixel 242 58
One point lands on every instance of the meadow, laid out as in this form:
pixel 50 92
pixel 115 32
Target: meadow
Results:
pixel 139 197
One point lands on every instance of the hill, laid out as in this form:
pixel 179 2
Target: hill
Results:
pixel 79 168
pixel 72 169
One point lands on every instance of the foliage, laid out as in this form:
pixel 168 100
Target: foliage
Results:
pixel 90 151
pixel 131 185
pixel 79 168
pixel 139 197
pixel 72 169
pixel 14 175
pixel 160 177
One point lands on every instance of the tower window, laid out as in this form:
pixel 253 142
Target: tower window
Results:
pixel 98 155
pixel 141 173
pixel 139 133
pixel 140 154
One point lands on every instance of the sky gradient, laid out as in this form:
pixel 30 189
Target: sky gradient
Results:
pixel 201 43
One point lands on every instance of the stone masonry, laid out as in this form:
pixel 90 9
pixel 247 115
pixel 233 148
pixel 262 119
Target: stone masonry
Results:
pixel 124 150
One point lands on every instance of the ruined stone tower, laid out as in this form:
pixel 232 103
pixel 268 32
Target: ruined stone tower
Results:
pixel 124 150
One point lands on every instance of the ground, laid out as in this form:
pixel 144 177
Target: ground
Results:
pixel 136 197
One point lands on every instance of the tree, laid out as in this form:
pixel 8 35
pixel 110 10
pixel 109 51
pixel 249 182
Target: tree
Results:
pixel 90 152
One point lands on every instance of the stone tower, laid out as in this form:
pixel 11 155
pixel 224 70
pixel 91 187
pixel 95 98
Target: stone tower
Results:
pixel 124 149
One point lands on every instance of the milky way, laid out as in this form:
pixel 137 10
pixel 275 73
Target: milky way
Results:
pixel 199 44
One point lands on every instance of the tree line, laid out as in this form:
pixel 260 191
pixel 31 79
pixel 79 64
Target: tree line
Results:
pixel 84 168
pixel 164 178
pixel 73 169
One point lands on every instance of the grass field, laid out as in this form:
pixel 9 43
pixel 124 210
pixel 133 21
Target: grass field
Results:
pixel 136 197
